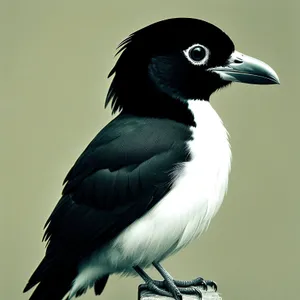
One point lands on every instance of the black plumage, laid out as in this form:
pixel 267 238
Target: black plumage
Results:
pixel 124 171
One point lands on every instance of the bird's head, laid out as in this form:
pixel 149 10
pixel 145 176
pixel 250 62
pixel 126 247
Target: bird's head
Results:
pixel 175 60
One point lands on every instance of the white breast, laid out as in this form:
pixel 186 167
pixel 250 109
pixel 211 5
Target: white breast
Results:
pixel 183 214
pixel 197 193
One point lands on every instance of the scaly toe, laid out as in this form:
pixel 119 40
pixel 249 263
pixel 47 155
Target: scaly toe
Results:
pixel 195 282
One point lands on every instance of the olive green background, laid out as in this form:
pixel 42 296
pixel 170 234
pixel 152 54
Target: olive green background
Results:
pixel 54 61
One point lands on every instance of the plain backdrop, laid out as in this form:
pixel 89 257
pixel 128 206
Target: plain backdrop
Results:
pixel 54 60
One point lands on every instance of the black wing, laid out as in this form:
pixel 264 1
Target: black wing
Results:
pixel 124 171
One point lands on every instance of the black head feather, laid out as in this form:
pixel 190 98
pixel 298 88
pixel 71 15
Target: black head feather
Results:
pixel 152 74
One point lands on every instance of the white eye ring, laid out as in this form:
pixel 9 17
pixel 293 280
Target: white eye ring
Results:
pixel 201 62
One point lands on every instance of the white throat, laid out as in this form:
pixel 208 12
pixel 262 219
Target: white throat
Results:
pixel 211 155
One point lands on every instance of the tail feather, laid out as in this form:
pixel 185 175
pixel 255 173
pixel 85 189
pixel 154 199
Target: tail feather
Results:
pixel 100 285
pixel 39 274
pixel 52 288
pixel 53 282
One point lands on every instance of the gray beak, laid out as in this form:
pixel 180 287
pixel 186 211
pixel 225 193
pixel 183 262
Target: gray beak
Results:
pixel 246 69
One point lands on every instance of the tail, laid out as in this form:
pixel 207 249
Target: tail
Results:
pixel 100 285
pixel 55 280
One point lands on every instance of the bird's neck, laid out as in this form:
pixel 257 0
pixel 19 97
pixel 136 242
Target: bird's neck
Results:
pixel 142 97
pixel 173 109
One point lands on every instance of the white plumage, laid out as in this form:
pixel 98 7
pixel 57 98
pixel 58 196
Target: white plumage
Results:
pixel 183 214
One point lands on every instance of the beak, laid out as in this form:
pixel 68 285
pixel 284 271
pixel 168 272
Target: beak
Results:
pixel 246 69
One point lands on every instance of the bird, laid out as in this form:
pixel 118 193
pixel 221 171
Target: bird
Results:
pixel 152 179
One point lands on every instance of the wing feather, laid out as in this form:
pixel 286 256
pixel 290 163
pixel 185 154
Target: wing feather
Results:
pixel 122 174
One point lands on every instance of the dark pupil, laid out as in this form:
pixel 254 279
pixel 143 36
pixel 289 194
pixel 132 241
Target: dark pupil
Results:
pixel 197 53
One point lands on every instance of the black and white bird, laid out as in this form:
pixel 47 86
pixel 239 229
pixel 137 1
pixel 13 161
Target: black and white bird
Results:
pixel 152 179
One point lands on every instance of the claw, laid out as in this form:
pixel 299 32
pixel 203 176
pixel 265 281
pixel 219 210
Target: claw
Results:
pixel 198 292
pixel 143 287
pixel 204 285
pixel 212 284
pixel 178 296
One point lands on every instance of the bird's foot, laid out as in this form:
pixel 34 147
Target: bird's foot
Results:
pixel 175 288
pixel 198 282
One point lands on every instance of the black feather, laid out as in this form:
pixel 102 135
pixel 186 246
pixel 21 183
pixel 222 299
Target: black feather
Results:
pixel 100 285
pixel 54 282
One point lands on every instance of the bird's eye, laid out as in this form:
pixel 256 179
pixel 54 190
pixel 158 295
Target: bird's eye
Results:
pixel 197 54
